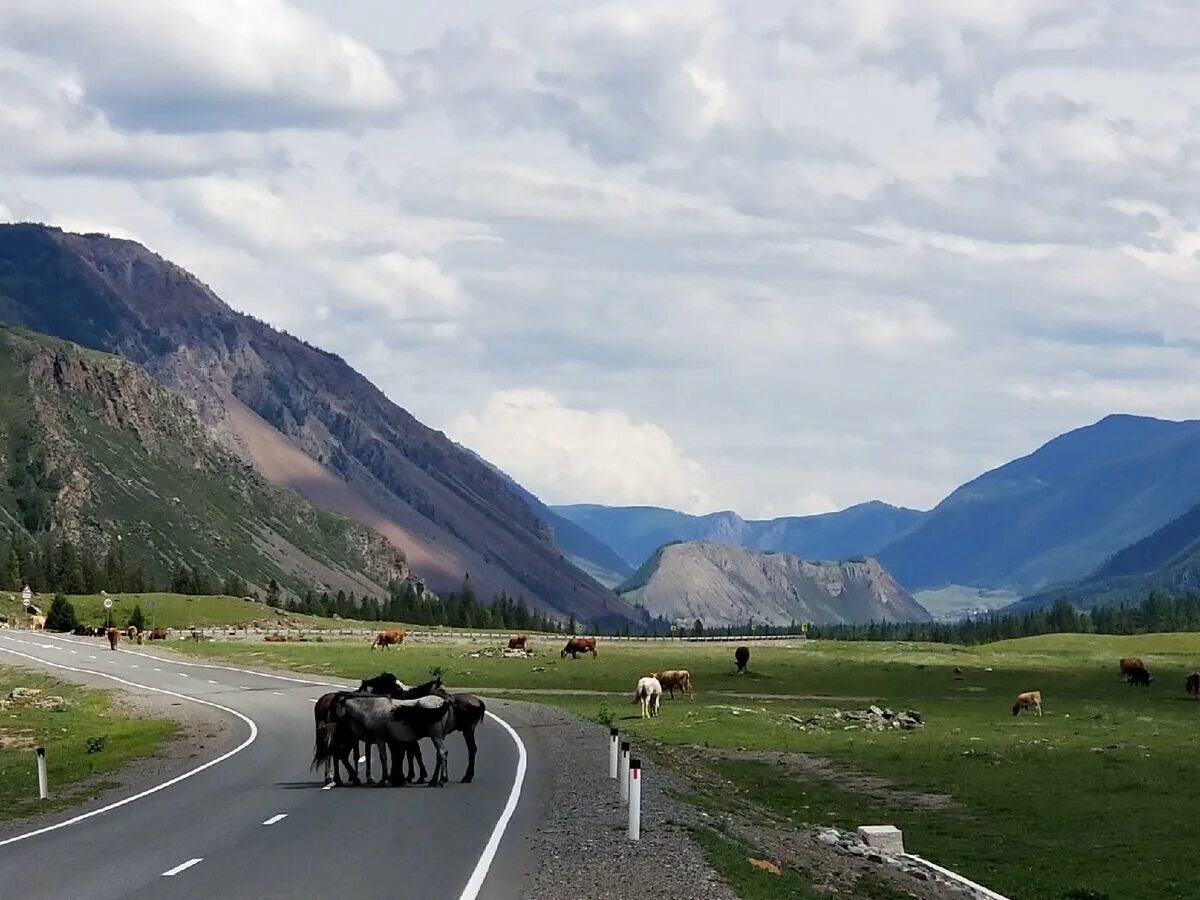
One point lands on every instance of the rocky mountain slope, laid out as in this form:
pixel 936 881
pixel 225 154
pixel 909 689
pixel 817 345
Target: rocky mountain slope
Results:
pixel 635 532
pixel 727 585
pixel 93 449
pixel 1167 560
pixel 1057 513
pixel 302 416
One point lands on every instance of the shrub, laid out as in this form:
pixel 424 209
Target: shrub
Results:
pixel 62 615
pixel 137 618
pixel 95 744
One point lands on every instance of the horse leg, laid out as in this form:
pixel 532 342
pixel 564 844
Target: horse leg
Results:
pixel 414 752
pixel 469 740
pixel 439 770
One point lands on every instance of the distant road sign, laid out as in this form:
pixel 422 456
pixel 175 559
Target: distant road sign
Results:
pixel 804 628
pixel 26 595
pixel 150 603
pixel 25 601
pixel 107 603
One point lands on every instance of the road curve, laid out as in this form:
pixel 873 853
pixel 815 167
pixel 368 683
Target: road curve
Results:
pixel 255 822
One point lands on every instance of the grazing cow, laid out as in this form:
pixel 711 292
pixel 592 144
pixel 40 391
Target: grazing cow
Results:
pixel 517 642
pixel 675 678
pixel 385 639
pixel 742 657
pixel 1140 675
pixel 649 692
pixel 133 632
pixel 274 638
pixel 37 623
pixel 158 634
pixel 1028 700
pixel 1193 685
pixel 577 645
pixel 1128 664
pixel 114 638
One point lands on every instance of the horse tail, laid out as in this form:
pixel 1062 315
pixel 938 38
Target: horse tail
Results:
pixel 325 725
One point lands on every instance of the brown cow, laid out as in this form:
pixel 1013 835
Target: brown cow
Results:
pixel 385 639
pixel 517 642
pixel 675 678
pixel 274 638
pixel 1128 664
pixel 1193 685
pixel 158 634
pixel 37 623
pixel 577 645
pixel 133 632
pixel 114 638
pixel 1028 700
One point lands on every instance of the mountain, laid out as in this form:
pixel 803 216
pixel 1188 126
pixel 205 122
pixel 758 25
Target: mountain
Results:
pixel 582 548
pixel 1167 560
pixel 1059 512
pixel 93 449
pixel 727 585
pixel 302 416
pixel 635 532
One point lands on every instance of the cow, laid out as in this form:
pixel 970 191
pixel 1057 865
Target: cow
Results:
pixel 114 638
pixel 37 623
pixel 1193 685
pixel 577 645
pixel 274 638
pixel 517 642
pixel 741 656
pixel 133 632
pixel 675 678
pixel 385 639
pixel 81 631
pixel 649 692
pixel 158 634
pixel 1028 700
pixel 1128 664
pixel 1139 675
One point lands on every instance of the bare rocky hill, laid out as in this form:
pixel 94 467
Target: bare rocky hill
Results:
pixel 721 584
pixel 302 416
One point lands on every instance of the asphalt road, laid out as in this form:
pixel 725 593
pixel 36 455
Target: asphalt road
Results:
pixel 256 822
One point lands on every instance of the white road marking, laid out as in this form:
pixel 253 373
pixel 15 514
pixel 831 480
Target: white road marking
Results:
pixel 277 693
pixel 74 651
pixel 158 787
pixel 313 699
pixel 210 681
pixel 90 657
pixel 179 868
pixel 182 674
pixel 274 819
pixel 131 665
pixel 471 891
pixel 156 669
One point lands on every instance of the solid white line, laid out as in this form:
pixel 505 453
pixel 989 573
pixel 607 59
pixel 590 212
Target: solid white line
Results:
pixel 277 818
pixel 179 868
pixel 471 891
pixel 158 787
pixel 959 879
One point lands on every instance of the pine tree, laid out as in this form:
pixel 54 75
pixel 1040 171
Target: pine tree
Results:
pixel 10 567
pixel 62 615
pixel 137 618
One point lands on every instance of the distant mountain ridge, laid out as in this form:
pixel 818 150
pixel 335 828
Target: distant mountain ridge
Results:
pixel 1167 560
pixel 721 584
pixel 302 416
pixel 1058 513
pixel 635 532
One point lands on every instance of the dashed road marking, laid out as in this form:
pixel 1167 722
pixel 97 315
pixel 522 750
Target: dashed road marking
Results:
pixel 276 818
pixel 179 868
pixel 210 681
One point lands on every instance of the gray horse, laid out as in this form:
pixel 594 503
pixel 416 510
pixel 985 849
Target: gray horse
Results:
pixel 384 722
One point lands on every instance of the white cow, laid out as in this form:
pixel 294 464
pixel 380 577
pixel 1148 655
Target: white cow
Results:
pixel 649 692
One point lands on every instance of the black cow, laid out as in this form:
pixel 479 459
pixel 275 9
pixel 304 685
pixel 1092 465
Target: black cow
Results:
pixel 742 657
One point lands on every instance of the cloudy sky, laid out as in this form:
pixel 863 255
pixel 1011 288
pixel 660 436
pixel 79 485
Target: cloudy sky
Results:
pixel 773 257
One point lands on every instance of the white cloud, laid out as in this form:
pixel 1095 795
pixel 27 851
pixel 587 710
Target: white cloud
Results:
pixel 568 454
pixel 175 65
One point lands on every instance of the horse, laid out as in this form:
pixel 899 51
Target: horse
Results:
pixel 742 658
pixel 467 712
pixel 332 746
pixel 649 692
pixel 380 721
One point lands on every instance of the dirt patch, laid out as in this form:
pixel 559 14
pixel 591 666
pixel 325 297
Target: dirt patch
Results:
pixel 23 740
pixel 803 765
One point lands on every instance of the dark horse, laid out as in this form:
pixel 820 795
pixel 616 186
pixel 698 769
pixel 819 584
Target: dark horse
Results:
pixel 337 744
pixel 467 711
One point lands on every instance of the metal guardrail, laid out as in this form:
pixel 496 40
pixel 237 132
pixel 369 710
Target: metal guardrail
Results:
pixel 480 635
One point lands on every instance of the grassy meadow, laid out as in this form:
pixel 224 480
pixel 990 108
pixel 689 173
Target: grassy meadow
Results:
pixel 73 772
pixel 1090 801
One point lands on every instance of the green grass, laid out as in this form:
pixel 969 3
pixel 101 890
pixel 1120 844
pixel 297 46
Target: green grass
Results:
pixel 73 773
pixel 1100 784
pixel 729 859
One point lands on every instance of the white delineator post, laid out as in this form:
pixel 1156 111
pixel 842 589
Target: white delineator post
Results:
pixel 43 789
pixel 623 772
pixel 612 752
pixel 635 799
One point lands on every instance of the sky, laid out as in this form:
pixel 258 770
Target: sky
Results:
pixel 772 257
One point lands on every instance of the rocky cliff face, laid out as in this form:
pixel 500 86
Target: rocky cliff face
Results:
pixel 726 585
pixel 300 415
pixel 118 457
